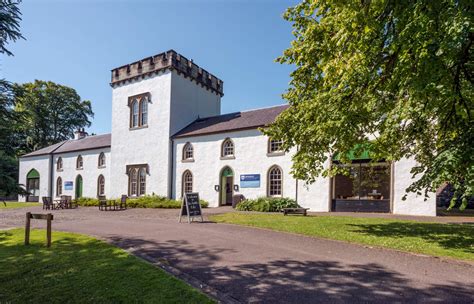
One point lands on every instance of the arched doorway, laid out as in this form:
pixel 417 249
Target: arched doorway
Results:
pixel 226 186
pixel 33 185
pixel 78 186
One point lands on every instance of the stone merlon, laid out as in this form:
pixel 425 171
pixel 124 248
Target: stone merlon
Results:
pixel 167 60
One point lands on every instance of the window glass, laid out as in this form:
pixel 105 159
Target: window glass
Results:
pixel 79 163
pixel 142 182
pixel 275 182
pixel 228 148
pixel 101 185
pixel 59 165
pixel 133 182
pixel 59 186
pixel 144 112
pixel 275 145
pixel 188 151
pixel 187 182
pixel 135 114
pixel 102 160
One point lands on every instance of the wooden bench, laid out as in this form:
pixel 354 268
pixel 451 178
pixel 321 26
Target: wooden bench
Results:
pixel 302 211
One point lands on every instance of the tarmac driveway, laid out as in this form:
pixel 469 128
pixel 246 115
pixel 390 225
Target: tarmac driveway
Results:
pixel 254 265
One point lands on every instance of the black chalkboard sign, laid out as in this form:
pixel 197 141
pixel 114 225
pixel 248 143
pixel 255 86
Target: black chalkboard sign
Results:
pixel 190 207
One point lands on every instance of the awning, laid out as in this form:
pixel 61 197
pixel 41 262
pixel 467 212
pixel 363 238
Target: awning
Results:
pixel 359 152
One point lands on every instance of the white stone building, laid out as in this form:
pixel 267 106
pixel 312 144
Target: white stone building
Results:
pixel 169 137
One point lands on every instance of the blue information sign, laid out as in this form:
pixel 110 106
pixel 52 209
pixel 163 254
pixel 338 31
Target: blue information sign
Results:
pixel 250 181
pixel 67 185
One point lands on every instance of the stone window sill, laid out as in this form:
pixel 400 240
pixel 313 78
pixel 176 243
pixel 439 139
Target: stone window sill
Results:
pixel 100 167
pixel 189 160
pixel 272 154
pixel 79 168
pixel 138 128
pixel 59 170
pixel 227 157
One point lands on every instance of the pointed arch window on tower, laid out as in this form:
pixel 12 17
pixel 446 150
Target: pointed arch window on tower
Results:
pixel 135 111
pixel 139 110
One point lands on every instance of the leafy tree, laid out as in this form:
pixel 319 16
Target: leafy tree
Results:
pixel 9 31
pixel 51 113
pixel 396 73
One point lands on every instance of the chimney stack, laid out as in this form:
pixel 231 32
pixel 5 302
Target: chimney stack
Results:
pixel 80 134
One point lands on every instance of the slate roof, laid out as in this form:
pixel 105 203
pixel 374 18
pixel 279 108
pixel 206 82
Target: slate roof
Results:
pixel 87 143
pixel 232 122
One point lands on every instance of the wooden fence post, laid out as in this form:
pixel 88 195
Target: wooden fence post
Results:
pixel 48 230
pixel 27 228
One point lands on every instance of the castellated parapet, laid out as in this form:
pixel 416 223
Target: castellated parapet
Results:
pixel 167 60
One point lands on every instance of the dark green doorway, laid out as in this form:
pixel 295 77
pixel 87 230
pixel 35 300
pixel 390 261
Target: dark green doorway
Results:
pixel 78 186
pixel 226 186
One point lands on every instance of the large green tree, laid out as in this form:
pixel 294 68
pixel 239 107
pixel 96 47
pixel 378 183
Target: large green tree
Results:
pixel 50 113
pixel 10 18
pixel 397 74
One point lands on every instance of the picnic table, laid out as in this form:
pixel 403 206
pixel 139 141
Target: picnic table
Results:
pixel 302 211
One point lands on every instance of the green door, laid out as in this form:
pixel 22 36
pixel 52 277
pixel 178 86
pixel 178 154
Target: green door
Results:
pixel 78 186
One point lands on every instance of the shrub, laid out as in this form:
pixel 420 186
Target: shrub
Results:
pixel 87 201
pixel 267 204
pixel 147 201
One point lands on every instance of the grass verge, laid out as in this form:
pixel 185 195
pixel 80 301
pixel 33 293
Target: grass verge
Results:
pixel 81 269
pixel 13 205
pixel 436 239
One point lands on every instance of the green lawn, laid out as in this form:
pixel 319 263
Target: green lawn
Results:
pixel 446 240
pixel 81 269
pixel 12 205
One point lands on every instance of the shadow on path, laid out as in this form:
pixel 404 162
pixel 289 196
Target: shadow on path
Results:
pixel 292 281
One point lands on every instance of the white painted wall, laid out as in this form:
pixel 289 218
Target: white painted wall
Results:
pixel 90 172
pixel 414 204
pixel 148 145
pixel 175 102
pixel 250 158
pixel 41 164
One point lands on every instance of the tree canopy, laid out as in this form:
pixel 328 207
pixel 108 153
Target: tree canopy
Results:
pixel 50 113
pixel 397 74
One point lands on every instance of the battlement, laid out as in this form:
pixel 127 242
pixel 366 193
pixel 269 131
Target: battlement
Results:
pixel 167 60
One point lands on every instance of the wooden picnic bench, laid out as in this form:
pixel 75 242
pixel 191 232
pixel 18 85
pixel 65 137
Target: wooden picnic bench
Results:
pixel 105 204
pixel 302 211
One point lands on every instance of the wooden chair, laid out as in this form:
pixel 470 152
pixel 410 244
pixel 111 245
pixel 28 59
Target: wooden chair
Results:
pixel 47 203
pixel 123 202
pixel 102 203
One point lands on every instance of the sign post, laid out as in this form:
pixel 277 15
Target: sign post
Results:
pixel 48 217
pixel 190 207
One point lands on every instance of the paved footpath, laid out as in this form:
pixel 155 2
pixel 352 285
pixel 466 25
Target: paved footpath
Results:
pixel 255 265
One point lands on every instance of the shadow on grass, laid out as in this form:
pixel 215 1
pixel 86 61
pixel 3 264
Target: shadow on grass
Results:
pixel 79 269
pixel 448 236
pixel 293 281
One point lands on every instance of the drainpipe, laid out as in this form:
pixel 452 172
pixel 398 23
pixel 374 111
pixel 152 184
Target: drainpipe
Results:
pixel 51 168
pixel 172 169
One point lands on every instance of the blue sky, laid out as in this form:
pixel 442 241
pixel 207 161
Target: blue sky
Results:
pixel 77 43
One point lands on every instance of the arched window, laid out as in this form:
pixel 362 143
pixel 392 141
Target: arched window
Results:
pixel 142 188
pixel 275 145
pixel 227 148
pixel 79 162
pixel 144 111
pixel 188 151
pixel 101 160
pixel 59 186
pixel 133 182
pixel 101 185
pixel 134 120
pixel 275 181
pixel 187 182
pixel 59 164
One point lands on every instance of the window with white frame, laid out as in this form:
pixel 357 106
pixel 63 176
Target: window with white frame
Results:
pixel 275 146
pixel 144 111
pixel 135 114
pixel 187 182
pixel 59 186
pixel 101 185
pixel 79 162
pixel 142 182
pixel 133 176
pixel 188 151
pixel 275 181
pixel 59 164
pixel 227 148
pixel 101 160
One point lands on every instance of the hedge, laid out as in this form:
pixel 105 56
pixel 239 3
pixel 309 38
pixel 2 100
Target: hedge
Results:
pixel 147 201
pixel 267 204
